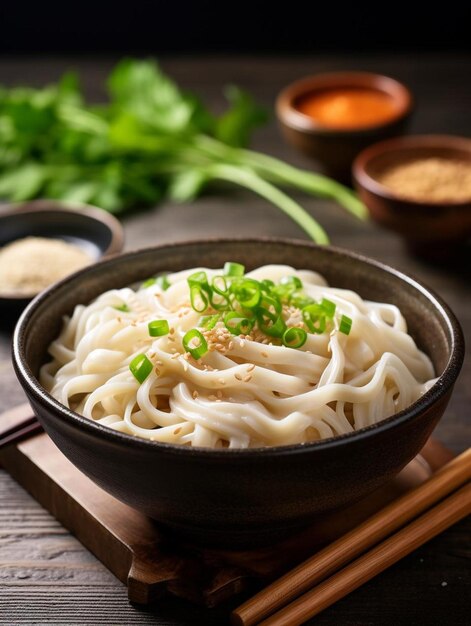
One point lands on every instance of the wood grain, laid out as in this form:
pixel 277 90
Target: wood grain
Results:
pixel 75 588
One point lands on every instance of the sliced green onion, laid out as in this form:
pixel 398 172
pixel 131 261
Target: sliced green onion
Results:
pixel 266 285
pixel 270 324
pixel 200 291
pixel 233 269
pixel 292 281
pixel 148 283
pixel 294 337
pixel 329 307
pixel 299 300
pixel 238 325
pixel 270 304
pixel 345 325
pixel 220 293
pixel 246 292
pixel 208 322
pixel 158 328
pixel 198 278
pixel 219 285
pixel 122 307
pixel 314 318
pixel 199 299
pixel 140 367
pixel 195 343
pixel 163 282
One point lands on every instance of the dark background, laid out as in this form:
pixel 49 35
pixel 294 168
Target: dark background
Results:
pixel 231 27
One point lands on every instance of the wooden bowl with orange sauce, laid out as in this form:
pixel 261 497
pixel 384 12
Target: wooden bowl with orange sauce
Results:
pixel 332 117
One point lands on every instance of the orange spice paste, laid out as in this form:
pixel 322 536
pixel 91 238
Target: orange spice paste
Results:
pixel 348 107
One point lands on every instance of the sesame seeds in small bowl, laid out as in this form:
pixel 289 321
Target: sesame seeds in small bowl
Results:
pixel 43 241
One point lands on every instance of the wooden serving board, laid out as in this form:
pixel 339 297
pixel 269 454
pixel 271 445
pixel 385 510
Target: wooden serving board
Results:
pixel 136 550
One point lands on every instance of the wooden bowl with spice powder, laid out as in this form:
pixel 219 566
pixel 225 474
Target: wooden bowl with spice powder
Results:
pixel 44 241
pixel 420 187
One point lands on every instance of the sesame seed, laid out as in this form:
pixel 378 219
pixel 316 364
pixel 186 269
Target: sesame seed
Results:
pixel 171 331
pixel 195 394
pixel 231 345
pixel 212 398
pixel 219 393
pixel 175 432
pixel 242 343
pixel 251 367
pixel 247 378
pixel 238 376
pixel 264 354
pixel 159 362
pixel 185 366
pixel 221 381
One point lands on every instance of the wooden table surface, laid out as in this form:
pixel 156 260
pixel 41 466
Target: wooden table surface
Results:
pixel 46 576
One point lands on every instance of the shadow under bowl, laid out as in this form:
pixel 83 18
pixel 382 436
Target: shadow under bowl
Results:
pixel 430 228
pixel 336 148
pixel 235 498
pixel 95 231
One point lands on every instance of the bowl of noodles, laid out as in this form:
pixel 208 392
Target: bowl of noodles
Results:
pixel 233 390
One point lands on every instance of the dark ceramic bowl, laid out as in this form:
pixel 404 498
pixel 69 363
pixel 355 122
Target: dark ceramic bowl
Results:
pixel 96 231
pixel 426 226
pixel 241 497
pixel 335 149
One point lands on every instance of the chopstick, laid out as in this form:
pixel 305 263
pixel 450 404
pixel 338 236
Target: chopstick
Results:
pixel 424 528
pixel 21 431
pixel 329 560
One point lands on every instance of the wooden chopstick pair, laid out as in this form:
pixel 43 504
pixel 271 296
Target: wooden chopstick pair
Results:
pixel 320 581
pixel 19 431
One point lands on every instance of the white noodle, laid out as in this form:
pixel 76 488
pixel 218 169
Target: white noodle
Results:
pixel 242 393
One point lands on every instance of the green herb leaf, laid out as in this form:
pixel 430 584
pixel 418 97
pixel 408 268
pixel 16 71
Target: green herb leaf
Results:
pixel 237 124
pixel 150 141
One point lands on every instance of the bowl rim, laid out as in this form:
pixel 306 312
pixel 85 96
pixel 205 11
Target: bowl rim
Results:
pixel 438 390
pixel 403 144
pixel 289 115
pixel 35 207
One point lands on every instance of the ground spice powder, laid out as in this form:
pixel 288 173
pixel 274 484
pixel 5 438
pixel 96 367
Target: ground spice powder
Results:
pixel 29 265
pixel 430 179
